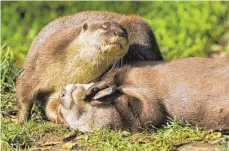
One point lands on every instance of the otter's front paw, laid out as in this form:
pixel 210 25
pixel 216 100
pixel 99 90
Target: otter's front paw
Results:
pixel 105 93
pixel 100 90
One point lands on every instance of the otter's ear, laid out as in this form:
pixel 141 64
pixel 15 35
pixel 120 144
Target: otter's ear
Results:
pixel 85 26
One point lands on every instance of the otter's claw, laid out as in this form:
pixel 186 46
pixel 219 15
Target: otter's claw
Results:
pixel 97 87
pixel 106 92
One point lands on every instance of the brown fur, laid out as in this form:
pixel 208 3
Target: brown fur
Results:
pixel 46 63
pixel 194 90
pixel 143 45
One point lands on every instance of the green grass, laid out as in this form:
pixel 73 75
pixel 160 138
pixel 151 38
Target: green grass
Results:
pixel 8 78
pixel 21 136
pixel 168 138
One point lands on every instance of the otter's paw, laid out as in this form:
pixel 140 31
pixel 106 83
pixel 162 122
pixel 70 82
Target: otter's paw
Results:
pixel 105 93
pixel 72 93
pixel 100 90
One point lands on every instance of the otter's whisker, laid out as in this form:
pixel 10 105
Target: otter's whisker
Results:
pixel 97 64
pixel 107 64
pixel 121 61
pixel 112 68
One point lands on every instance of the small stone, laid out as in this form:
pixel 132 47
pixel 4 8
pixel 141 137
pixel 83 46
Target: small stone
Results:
pixel 200 147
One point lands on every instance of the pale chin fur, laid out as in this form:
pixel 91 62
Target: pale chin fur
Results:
pixel 95 43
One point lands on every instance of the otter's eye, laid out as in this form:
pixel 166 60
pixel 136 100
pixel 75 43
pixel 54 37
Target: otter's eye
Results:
pixel 104 27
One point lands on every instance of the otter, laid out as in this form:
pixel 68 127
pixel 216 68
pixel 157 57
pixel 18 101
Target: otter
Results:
pixel 74 112
pixel 192 90
pixel 53 58
pixel 73 55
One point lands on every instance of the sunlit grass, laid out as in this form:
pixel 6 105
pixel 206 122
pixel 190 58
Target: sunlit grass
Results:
pixel 168 138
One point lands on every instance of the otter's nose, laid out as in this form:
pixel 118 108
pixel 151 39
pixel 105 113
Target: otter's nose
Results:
pixel 62 94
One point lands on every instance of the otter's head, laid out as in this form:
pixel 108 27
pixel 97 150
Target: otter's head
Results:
pixel 103 39
pixel 76 113
pixel 118 112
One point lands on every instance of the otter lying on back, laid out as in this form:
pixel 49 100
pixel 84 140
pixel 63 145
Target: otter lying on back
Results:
pixel 69 51
pixel 195 90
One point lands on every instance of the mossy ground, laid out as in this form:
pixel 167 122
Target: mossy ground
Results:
pixel 42 134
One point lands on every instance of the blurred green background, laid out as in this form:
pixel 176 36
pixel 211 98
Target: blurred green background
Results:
pixel 182 29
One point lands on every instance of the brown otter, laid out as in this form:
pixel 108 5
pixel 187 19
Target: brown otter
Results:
pixel 73 55
pixel 195 90
pixel 52 63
